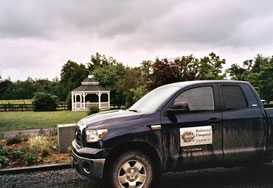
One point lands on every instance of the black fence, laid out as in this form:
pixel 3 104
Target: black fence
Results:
pixel 27 107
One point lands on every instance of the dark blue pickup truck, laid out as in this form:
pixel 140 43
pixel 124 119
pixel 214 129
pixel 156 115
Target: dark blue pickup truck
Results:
pixel 180 126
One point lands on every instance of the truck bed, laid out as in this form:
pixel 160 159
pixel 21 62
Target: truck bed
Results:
pixel 269 112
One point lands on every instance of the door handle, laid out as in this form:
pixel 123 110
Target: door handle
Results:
pixel 155 127
pixel 214 120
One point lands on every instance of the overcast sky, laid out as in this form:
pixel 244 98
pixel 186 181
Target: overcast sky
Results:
pixel 38 37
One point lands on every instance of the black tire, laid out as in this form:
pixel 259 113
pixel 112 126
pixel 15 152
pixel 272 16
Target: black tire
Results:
pixel 133 168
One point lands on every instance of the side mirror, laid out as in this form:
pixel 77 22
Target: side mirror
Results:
pixel 178 108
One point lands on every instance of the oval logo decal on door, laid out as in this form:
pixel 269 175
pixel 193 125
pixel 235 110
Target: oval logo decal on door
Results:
pixel 188 136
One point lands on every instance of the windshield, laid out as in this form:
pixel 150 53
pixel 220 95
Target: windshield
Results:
pixel 151 101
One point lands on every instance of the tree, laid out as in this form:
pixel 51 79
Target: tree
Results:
pixel 165 71
pixel 210 68
pixel 185 68
pixel 146 70
pixel 45 85
pixel 137 93
pixel 21 89
pixel 124 82
pixel 4 86
pixel 72 74
pixel 99 60
pixel 260 76
pixel 108 76
pixel 26 89
pixel 68 101
pixel 236 72
pixel 131 85
pixel 259 72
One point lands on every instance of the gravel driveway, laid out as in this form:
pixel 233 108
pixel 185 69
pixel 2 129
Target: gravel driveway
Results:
pixel 208 178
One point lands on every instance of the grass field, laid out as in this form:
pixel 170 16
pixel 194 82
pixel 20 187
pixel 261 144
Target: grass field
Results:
pixel 19 101
pixel 37 120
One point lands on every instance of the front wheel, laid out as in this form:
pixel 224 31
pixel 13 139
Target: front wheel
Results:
pixel 131 170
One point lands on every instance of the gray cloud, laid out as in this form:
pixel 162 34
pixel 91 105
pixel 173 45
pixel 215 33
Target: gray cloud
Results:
pixel 216 22
pixel 104 18
pixel 44 33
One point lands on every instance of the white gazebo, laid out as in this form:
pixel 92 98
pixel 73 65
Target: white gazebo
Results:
pixel 88 94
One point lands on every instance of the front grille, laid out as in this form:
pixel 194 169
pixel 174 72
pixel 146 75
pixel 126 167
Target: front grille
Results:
pixel 80 136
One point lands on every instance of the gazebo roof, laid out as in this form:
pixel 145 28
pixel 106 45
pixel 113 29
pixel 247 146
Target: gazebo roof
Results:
pixel 89 79
pixel 90 84
pixel 90 88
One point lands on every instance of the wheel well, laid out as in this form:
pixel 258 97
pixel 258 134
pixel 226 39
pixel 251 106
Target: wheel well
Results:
pixel 144 147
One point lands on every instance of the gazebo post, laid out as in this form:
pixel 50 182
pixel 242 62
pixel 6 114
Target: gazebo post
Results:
pixel 109 100
pixel 99 100
pixel 80 101
pixel 72 101
pixel 84 101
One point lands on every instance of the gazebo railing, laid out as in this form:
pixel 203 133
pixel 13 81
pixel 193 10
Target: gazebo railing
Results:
pixel 82 106
pixel 87 105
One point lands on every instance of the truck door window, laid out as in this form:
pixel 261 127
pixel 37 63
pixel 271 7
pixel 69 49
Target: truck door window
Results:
pixel 233 97
pixel 198 99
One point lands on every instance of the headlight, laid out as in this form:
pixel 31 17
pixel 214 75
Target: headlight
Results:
pixel 95 135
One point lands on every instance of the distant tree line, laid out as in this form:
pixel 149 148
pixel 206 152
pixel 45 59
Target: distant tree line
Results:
pixel 128 84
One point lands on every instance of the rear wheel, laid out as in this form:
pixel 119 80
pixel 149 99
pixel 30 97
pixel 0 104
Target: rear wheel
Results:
pixel 131 170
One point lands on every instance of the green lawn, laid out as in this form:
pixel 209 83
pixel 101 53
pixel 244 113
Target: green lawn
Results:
pixel 19 101
pixel 37 120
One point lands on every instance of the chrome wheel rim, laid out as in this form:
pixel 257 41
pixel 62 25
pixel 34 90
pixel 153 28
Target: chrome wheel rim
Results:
pixel 132 174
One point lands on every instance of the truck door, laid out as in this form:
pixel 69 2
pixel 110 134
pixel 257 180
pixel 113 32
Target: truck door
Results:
pixel 193 138
pixel 244 126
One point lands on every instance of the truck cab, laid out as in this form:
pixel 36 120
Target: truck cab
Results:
pixel 176 127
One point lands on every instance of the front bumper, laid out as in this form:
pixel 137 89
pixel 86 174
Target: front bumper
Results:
pixel 87 166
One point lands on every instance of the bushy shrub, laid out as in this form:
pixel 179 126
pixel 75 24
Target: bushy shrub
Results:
pixel 17 154
pixel 3 151
pixel 44 153
pixel 14 140
pixel 38 144
pixel 54 146
pixel 45 102
pixel 41 132
pixel 53 132
pixel 24 150
pixel 29 159
pixel 3 161
pixel 93 109
pixel 69 149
